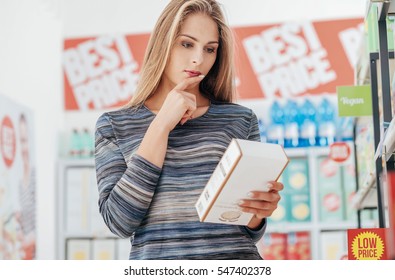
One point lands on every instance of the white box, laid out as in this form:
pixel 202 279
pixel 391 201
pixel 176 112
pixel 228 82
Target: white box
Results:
pixel 245 166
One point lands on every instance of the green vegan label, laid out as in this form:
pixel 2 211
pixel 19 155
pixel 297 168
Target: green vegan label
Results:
pixel 354 101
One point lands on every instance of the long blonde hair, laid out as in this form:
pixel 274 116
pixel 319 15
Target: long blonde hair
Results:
pixel 218 83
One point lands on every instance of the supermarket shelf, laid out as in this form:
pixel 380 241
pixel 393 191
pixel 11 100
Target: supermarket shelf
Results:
pixel 323 226
pixel 304 152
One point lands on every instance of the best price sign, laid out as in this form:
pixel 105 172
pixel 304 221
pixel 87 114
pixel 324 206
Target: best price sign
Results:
pixel 101 72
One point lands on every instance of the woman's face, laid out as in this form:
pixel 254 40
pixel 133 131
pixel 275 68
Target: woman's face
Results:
pixel 194 51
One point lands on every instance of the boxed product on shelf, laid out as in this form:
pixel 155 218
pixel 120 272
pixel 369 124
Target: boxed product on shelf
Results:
pixel 245 166
pixel 78 249
pixel 297 192
pixel 300 210
pixel 285 246
pixel 273 246
pixel 103 248
pixel 333 244
pixel 330 191
pixel 296 176
pixel 299 246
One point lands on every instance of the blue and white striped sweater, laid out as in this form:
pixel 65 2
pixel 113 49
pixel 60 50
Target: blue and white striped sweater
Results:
pixel 156 206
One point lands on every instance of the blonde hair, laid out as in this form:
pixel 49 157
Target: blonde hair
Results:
pixel 218 83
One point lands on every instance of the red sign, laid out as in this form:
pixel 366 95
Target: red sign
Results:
pixel 391 212
pixel 339 151
pixel 294 59
pixel 283 60
pixel 367 244
pixel 7 141
pixel 101 72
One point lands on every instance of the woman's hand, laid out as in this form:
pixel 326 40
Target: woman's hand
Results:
pixel 179 104
pixel 262 203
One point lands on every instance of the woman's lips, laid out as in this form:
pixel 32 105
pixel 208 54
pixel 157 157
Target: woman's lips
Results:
pixel 192 73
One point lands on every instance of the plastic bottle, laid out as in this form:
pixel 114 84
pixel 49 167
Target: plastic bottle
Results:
pixel 345 129
pixel 308 124
pixel 291 116
pixel 262 130
pixel 326 123
pixel 87 143
pixel 75 143
pixel 275 131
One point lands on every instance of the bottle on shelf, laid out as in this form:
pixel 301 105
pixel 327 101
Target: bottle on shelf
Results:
pixel 262 130
pixel 291 126
pixel 75 143
pixel 345 129
pixel 87 143
pixel 308 124
pixel 275 131
pixel 326 123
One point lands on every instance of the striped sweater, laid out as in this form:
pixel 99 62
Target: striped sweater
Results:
pixel 155 206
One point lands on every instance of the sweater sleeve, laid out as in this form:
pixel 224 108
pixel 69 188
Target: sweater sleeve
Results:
pixel 126 187
pixel 253 135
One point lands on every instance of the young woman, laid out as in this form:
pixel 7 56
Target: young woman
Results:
pixel 154 157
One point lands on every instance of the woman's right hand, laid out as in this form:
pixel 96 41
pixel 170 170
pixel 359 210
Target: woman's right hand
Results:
pixel 179 104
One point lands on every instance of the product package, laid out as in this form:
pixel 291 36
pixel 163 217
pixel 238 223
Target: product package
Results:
pixel 245 166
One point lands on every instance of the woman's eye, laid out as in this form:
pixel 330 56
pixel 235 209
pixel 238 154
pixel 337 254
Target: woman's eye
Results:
pixel 186 45
pixel 210 50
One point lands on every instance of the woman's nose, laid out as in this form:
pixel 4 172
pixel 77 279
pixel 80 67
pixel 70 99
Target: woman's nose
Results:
pixel 197 57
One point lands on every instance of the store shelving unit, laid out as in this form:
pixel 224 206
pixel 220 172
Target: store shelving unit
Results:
pixel 81 232
pixel 380 75
pixel 316 226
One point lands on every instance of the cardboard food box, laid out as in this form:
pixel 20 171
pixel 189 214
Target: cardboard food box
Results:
pixel 245 166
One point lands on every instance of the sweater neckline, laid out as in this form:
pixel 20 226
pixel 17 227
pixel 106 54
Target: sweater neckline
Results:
pixel 207 112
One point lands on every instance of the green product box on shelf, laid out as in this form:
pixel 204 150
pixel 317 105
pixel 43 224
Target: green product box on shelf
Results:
pixel 330 191
pixel 297 191
pixel 390 32
pixel 296 177
pixel 299 207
